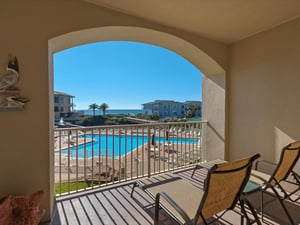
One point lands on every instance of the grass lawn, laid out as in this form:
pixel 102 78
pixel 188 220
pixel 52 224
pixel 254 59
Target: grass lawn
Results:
pixel 74 186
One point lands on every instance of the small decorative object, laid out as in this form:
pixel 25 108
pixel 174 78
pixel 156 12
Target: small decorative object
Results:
pixel 12 101
pixel 12 76
pixel 23 210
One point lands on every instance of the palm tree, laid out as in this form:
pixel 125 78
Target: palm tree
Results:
pixel 103 106
pixel 93 106
pixel 191 110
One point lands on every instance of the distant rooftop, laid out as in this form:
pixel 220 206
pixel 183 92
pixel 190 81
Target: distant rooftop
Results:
pixel 158 101
pixel 189 101
pixel 62 93
pixel 170 101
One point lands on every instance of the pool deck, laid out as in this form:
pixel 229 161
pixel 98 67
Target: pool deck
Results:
pixel 162 156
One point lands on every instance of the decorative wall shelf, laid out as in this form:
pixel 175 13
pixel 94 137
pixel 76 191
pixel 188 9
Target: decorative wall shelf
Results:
pixel 11 100
pixel 11 109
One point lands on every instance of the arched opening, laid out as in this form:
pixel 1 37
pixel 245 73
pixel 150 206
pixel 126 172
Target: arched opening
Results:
pixel 213 86
pixel 125 75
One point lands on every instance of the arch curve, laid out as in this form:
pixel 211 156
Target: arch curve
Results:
pixel 196 56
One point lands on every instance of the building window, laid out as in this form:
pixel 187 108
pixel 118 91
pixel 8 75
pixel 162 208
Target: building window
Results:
pixel 55 99
pixel 61 99
pixel 55 108
pixel 61 108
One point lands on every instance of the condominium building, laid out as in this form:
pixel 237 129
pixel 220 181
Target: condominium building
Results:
pixel 169 109
pixel 63 105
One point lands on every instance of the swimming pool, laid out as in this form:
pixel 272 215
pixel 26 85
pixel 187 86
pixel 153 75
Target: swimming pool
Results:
pixel 116 146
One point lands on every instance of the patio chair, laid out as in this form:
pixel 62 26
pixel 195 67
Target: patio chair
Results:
pixel 284 182
pixel 188 204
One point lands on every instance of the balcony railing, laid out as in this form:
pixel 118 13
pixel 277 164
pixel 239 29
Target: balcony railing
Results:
pixel 89 157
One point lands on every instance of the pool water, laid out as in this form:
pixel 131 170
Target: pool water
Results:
pixel 116 146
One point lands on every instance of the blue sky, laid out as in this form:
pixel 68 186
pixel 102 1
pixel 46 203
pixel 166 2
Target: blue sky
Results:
pixel 125 75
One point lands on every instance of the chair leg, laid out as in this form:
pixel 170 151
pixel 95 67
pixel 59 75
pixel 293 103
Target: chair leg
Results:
pixel 156 213
pixel 262 204
pixel 203 219
pixel 134 185
pixel 256 219
pixel 282 204
pixel 243 211
pixel 196 167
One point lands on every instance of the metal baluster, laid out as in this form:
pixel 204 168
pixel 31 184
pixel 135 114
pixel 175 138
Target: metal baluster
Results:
pixel 125 170
pixel 148 151
pixel 84 167
pixel 131 155
pixel 92 158
pixel 76 160
pixel 159 150
pixel 106 154
pixel 113 155
pixel 185 150
pixel 59 166
pixel 120 158
pixel 137 152
pixel 143 150
pixel 99 157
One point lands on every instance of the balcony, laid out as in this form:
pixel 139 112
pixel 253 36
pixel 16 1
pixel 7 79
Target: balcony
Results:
pixel 95 168
pixel 113 205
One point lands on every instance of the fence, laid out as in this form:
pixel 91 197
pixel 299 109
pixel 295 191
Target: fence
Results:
pixel 90 157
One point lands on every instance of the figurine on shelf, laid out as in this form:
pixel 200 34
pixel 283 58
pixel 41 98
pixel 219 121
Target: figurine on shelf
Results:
pixel 9 79
pixel 13 102
pixel 10 94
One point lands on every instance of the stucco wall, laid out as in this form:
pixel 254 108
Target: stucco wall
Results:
pixel 213 111
pixel 264 92
pixel 26 27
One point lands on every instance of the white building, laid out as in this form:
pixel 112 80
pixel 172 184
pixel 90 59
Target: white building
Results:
pixel 63 105
pixel 169 109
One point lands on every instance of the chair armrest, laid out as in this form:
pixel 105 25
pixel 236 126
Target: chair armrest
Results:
pixel 265 166
pixel 173 204
pixel 259 177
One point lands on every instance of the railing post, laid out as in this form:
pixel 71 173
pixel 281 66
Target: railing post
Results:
pixel 148 151
pixel 203 141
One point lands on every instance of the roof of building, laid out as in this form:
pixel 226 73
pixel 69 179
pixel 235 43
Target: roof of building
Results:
pixel 161 101
pixel 63 94
pixel 170 101
pixel 195 102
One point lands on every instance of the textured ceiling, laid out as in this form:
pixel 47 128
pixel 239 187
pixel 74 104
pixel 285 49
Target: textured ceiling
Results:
pixel 227 21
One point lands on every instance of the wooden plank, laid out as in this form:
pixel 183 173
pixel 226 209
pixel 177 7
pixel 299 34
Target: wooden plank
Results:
pixel 115 206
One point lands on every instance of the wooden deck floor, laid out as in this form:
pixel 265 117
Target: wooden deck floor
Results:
pixel 114 205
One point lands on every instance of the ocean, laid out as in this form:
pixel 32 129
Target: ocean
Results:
pixel 111 111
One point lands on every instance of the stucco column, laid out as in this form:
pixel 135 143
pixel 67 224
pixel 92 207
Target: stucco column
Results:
pixel 213 110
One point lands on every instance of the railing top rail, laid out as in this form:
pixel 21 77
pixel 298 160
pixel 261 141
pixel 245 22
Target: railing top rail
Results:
pixel 129 125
